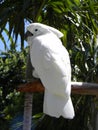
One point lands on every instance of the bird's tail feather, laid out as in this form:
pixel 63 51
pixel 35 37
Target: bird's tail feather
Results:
pixel 57 106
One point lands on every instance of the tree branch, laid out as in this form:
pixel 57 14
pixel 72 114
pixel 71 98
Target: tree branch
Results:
pixel 82 88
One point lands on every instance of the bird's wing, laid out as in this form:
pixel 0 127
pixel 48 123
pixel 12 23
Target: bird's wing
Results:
pixel 52 65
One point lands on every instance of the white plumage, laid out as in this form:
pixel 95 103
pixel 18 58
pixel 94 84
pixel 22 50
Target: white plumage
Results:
pixel 51 63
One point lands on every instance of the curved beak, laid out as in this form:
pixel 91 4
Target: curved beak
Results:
pixel 27 34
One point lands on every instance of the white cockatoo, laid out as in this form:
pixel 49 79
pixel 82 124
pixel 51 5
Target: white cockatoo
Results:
pixel 51 63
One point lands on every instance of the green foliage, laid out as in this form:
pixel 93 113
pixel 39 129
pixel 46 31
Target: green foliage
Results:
pixel 12 73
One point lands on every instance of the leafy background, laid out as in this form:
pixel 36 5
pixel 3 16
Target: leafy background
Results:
pixel 78 20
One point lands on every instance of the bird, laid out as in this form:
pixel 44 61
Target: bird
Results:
pixel 51 63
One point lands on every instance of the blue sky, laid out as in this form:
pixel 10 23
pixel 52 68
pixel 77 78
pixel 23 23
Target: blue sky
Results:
pixel 2 48
pixel 1 43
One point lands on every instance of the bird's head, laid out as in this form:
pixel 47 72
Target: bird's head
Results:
pixel 36 29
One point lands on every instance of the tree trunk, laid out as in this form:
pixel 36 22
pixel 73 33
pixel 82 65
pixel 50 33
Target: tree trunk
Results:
pixel 27 111
pixel 28 98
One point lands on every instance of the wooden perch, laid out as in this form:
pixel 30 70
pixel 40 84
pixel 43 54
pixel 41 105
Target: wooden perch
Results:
pixel 31 87
pixel 82 88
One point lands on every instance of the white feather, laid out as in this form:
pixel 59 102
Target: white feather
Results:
pixel 51 62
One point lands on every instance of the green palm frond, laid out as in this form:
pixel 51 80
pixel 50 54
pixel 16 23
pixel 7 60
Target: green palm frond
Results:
pixel 8 39
pixel 59 14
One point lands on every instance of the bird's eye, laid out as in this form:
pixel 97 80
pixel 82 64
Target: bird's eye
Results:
pixel 36 30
